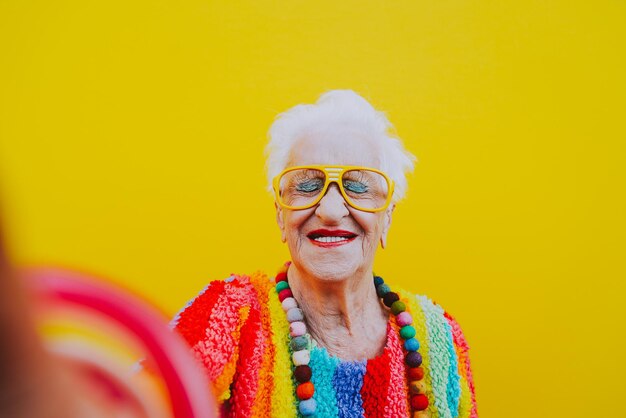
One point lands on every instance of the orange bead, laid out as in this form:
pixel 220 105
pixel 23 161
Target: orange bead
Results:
pixel 285 267
pixel 416 373
pixel 305 390
pixel 421 414
pixel 417 387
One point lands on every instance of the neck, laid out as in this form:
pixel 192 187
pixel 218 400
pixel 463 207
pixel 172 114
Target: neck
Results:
pixel 344 316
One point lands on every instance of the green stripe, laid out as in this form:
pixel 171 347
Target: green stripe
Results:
pixel 437 353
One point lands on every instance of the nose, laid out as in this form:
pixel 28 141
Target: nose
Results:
pixel 332 208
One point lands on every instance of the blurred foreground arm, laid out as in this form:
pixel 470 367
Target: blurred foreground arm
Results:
pixel 26 384
pixel 34 384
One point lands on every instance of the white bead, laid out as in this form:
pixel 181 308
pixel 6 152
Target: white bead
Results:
pixel 301 358
pixel 289 303
pixel 295 314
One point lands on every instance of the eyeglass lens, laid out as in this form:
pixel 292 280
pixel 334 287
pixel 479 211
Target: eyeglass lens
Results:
pixel 363 188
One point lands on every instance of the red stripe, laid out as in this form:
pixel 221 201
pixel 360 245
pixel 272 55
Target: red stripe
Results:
pixel 376 385
pixel 263 401
pixel 246 379
pixel 193 321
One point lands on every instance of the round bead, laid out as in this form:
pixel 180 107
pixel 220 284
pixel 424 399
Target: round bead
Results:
pixel 390 298
pixel 420 414
pixel 299 343
pixel 289 303
pixel 378 281
pixel 281 277
pixel 412 344
pixel 297 329
pixel 307 407
pixel 282 286
pixel 419 402
pixel 416 373
pixel 284 294
pixel 397 307
pixel 302 373
pixel 382 290
pixel 407 332
pixel 301 358
pixel 413 359
pixel 295 314
pixel 404 318
pixel 305 390
pixel 417 386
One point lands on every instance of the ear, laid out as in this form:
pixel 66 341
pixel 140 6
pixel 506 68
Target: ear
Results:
pixel 386 225
pixel 280 222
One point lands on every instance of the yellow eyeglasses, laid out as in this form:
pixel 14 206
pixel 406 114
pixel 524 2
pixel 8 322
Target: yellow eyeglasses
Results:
pixel 363 188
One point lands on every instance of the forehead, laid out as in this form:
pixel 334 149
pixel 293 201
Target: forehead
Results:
pixel 341 147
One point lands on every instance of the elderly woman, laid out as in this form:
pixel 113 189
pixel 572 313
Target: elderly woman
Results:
pixel 325 336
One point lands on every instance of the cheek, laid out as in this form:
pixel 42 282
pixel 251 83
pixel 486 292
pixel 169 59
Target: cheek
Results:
pixel 370 223
pixel 294 222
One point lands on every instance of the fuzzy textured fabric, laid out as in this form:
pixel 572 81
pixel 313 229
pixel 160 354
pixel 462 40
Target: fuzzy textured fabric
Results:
pixel 238 330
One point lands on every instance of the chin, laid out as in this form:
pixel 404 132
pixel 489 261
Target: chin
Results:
pixel 331 267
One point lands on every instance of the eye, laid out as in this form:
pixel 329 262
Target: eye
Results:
pixel 309 186
pixel 355 186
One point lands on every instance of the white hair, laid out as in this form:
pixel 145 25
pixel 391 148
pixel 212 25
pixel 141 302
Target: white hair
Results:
pixel 343 108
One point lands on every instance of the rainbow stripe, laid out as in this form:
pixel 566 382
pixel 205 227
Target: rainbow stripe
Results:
pixel 348 381
pixel 467 404
pixel 283 399
pixel 239 331
pixel 324 367
pixel 421 334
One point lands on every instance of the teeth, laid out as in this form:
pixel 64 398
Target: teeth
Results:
pixel 330 239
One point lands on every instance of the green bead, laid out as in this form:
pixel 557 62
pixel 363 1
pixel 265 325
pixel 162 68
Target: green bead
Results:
pixel 282 286
pixel 397 307
pixel 382 290
pixel 407 332
pixel 299 343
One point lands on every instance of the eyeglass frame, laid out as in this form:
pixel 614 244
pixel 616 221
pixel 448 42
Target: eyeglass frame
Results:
pixel 333 174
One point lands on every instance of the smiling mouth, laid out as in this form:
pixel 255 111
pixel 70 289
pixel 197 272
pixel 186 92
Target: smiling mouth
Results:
pixel 328 238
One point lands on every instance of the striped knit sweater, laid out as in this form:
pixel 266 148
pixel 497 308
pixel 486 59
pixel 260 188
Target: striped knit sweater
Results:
pixel 238 330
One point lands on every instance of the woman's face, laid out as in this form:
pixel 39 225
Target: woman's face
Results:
pixel 306 231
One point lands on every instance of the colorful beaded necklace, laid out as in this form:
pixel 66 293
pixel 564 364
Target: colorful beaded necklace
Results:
pixel 300 341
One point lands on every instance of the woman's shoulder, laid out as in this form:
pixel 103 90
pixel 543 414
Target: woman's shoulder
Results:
pixel 434 319
pixel 216 321
pixel 221 301
pixel 446 354
pixel 425 306
pixel 429 310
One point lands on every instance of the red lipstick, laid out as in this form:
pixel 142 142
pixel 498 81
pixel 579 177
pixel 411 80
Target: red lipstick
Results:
pixel 331 237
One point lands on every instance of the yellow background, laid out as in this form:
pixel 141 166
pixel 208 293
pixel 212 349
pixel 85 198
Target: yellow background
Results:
pixel 132 136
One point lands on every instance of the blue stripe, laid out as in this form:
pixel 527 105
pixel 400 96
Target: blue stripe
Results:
pixel 454 388
pixel 323 367
pixel 348 381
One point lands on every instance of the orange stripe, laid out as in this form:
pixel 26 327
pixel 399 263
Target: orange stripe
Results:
pixel 263 401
